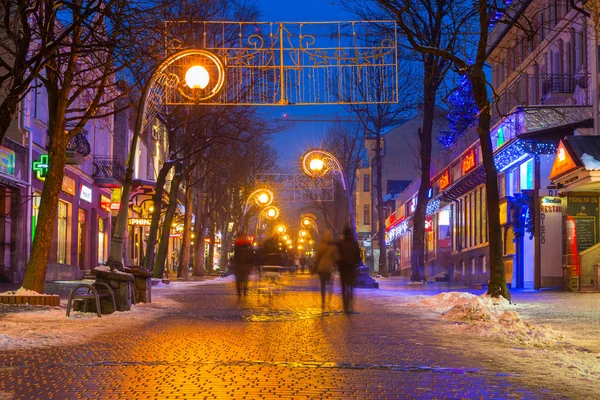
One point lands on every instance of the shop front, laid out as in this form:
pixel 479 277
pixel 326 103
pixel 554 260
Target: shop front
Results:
pixel 576 176
pixel 83 222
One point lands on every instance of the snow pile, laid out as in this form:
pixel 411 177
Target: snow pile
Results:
pixel 590 163
pixel 491 317
pixel 25 326
pixel 22 292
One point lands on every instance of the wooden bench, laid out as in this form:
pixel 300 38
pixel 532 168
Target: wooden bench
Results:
pixel 92 293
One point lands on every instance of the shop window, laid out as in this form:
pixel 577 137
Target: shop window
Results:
pixel 62 232
pixel 484 212
pixel 483 264
pixel 526 175
pixel 473 265
pixel 35 212
pixel 366 183
pixel 463 267
pixel 502 185
pixel 101 241
pixel 81 236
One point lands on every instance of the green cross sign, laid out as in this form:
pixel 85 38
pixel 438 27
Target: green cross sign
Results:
pixel 41 167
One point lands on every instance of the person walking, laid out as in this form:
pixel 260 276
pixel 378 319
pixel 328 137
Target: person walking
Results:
pixel 302 263
pixel 348 264
pixel 242 261
pixel 326 257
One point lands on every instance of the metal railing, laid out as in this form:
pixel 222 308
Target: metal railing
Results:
pixel 109 167
pixel 79 144
pixel 538 90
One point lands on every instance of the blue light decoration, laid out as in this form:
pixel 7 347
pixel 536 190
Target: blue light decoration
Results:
pixel 519 151
pixel 462 112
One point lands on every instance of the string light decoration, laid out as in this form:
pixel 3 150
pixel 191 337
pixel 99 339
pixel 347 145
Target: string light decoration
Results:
pixel 398 230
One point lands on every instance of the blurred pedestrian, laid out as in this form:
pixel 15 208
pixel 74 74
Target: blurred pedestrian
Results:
pixel 326 257
pixel 348 264
pixel 242 257
pixel 302 263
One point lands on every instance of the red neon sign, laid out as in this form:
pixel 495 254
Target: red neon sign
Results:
pixel 468 161
pixel 445 180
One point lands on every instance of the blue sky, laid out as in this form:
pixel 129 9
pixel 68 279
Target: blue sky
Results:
pixel 291 143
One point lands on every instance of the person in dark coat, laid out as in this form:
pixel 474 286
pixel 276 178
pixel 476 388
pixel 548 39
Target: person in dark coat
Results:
pixel 348 264
pixel 242 259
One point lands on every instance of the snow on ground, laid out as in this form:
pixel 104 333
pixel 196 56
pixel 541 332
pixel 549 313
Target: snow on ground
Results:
pixel 22 292
pixel 536 337
pixel 26 326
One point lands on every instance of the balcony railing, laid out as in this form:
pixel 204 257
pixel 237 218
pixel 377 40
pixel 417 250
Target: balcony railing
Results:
pixel 108 171
pixel 543 90
pixel 80 145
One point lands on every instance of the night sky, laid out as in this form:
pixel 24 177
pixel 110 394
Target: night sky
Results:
pixel 291 143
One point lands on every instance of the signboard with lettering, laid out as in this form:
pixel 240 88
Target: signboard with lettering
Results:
pixel 445 180
pixel 115 200
pixel 584 210
pixel 429 224
pixel 85 194
pixel 550 237
pixel 563 162
pixel 140 221
pixel 68 185
pixel 105 203
pixel 468 161
pixel 7 161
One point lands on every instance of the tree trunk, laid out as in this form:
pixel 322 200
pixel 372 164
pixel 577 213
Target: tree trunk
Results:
pixel 184 259
pixel 35 272
pixel 199 232
pixel 418 240
pixel 157 202
pixel 383 269
pixel 163 244
pixel 497 284
pixel 211 246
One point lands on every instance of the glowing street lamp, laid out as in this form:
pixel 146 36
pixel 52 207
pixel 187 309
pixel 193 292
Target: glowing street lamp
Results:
pixel 271 212
pixel 285 237
pixel 280 229
pixel 303 233
pixel 316 163
pixel 261 197
pixel 197 77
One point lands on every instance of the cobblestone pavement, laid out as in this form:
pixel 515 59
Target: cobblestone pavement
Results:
pixel 277 343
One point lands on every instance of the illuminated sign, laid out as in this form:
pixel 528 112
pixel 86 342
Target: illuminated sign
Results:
pixel 7 161
pixel 68 185
pixel 563 162
pixel 41 167
pixel 428 224
pixel 105 203
pixel 140 221
pixel 115 199
pixel 468 161
pixel 445 180
pixel 85 194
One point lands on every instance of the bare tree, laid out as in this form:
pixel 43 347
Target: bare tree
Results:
pixel 474 18
pixel 79 78
pixel 346 142
pixel 375 119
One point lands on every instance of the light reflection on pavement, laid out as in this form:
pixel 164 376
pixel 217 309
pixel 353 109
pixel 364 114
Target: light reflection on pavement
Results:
pixel 276 343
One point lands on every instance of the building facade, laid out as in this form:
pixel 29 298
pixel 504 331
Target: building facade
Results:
pixel 546 85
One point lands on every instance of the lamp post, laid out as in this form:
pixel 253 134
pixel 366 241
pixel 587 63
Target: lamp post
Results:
pixel 316 163
pixel 197 86
pixel 270 212
pixel 308 221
